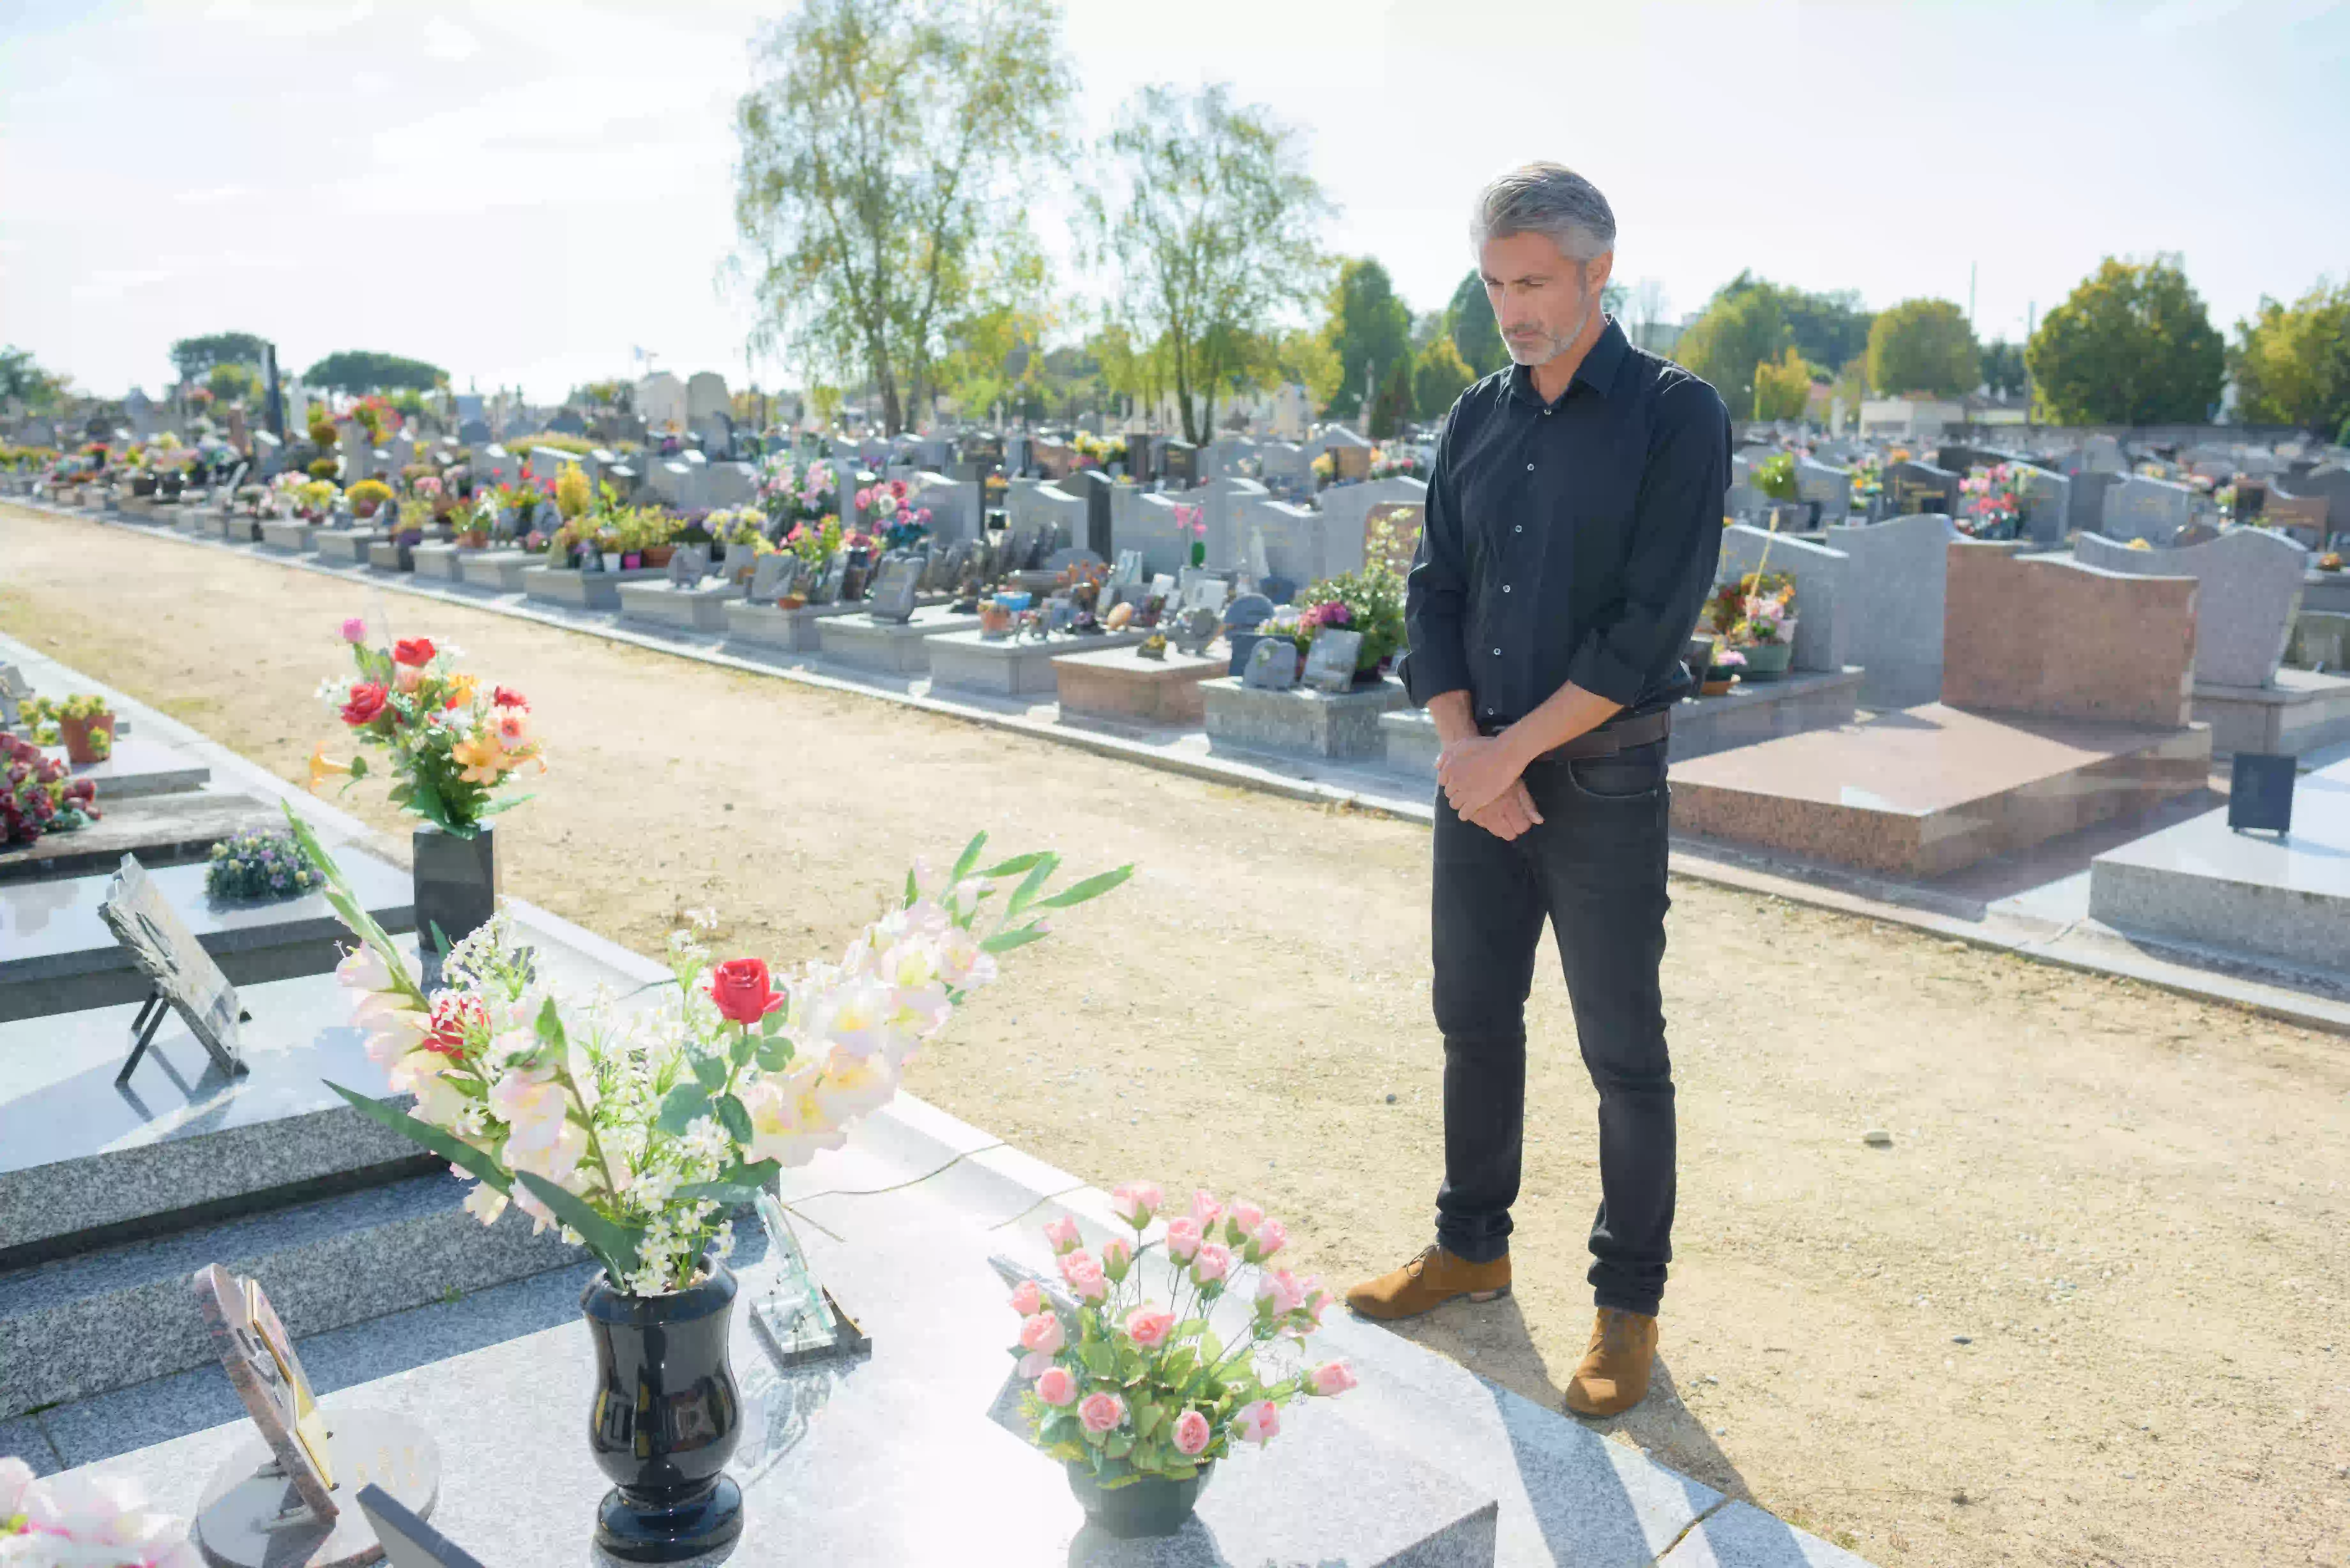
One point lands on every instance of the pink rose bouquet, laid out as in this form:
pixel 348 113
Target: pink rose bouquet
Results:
pixel 1127 1387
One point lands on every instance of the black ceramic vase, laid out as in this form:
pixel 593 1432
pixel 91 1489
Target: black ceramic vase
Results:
pixel 666 1418
pixel 457 889
pixel 1153 1506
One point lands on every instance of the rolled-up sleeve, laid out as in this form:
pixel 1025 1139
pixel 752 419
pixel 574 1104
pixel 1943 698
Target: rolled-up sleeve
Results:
pixel 1435 595
pixel 1676 544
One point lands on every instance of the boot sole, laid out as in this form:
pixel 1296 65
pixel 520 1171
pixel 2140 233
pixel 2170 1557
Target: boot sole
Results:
pixel 1475 1298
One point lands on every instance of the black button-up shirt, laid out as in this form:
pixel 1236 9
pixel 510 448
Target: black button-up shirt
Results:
pixel 1569 541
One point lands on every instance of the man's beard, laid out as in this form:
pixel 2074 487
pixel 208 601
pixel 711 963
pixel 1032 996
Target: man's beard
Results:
pixel 1544 347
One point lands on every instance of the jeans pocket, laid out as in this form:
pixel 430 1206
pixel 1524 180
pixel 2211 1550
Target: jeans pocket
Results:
pixel 1618 778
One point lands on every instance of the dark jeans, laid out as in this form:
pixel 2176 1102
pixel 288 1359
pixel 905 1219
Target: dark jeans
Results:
pixel 1596 868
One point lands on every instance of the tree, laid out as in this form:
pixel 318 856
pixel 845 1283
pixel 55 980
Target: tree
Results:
pixel 1371 330
pixel 2131 345
pixel 1826 328
pixel 22 380
pixel 2293 361
pixel 1739 331
pixel 191 356
pixel 1214 225
pixel 361 370
pixel 1392 406
pixel 1782 390
pixel 228 383
pixel 883 145
pixel 2003 368
pixel 1438 377
pixel 1475 333
pixel 1923 346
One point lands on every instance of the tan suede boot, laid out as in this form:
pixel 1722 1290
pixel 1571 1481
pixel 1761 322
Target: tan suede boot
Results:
pixel 1613 1375
pixel 1428 1281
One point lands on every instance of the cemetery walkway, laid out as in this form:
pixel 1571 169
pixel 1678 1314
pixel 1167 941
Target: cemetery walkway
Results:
pixel 2089 1306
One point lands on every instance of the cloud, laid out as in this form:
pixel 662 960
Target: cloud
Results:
pixel 113 283
pixel 212 195
pixel 289 18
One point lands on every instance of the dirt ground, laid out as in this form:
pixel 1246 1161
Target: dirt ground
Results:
pixel 2089 1308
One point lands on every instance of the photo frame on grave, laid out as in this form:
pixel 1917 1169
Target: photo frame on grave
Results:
pixel 742 560
pixel 828 584
pixel 1330 660
pixel 798 1315
pixel 1128 572
pixel 775 576
pixel 688 565
pixel 184 976
pixel 277 1502
pixel 892 594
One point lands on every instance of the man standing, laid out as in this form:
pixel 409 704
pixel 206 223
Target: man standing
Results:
pixel 1573 527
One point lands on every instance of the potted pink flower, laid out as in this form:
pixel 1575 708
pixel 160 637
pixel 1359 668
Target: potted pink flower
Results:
pixel 1141 1399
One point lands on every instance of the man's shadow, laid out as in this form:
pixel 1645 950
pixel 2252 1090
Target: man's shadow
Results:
pixel 1491 1339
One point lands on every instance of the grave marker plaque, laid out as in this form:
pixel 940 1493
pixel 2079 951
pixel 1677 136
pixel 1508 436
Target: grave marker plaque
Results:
pixel 184 978
pixel 894 588
pixel 774 577
pixel 1272 665
pixel 1329 660
pixel 14 692
pixel 2260 794
pixel 688 565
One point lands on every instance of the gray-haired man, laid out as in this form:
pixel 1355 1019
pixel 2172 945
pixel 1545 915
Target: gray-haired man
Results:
pixel 1574 524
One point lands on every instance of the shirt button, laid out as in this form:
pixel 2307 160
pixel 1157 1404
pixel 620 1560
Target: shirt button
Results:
pixel 1505 588
pixel 1519 529
pixel 1529 468
pixel 1497 653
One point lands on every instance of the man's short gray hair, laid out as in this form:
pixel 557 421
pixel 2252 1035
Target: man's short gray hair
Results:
pixel 1545 199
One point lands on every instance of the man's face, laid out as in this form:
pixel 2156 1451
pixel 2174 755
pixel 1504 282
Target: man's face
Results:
pixel 1541 297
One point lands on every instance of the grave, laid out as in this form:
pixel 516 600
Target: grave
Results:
pixel 2047 504
pixel 136 768
pixel 161 830
pixel 1827 487
pixel 874 642
pixel 2251 585
pixel 58 956
pixel 2282 899
pixel 2154 510
pixel 345 547
pixel 575 589
pixel 290 534
pixel 1011 666
pixel 686 597
pixel 1922 487
pixel 1121 683
pixel 2307 519
pixel 1298 721
pixel 2065 694
pixel 501 570
pixel 1821 574
pixel 769 629
pixel 440 562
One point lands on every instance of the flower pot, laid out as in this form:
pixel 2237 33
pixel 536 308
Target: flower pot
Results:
pixel 611 560
pixel 1152 1506
pixel 630 560
pixel 1766 661
pixel 76 734
pixel 457 889
pixel 666 1418
pixel 658 555
pixel 994 618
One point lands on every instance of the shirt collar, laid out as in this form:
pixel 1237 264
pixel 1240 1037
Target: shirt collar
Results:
pixel 1598 370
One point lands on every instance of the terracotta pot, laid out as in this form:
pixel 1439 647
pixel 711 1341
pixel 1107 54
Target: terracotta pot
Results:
pixel 994 618
pixel 658 555
pixel 76 734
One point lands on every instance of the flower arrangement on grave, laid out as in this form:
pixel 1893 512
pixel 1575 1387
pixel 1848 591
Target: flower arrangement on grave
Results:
pixel 452 745
pixel 814 542
pixel 1127 1391
pixel 83 723
pixel 572 495
pixel 1369 601
pixel 1868 478
pixel 1324 468
pixel 894 519
pixel 792 494
pixel 1395 464
pixel 638 1134
pixel 1094 451
pixel 1774 476
pixel 1192 526
pixel 1991 502
pixel 1758 610
pixel 367 496
pixel 2330 562
pixel 321 431
pixel 378 414
pixel 2224 497
pixel 93 1520
pixel 35 796
pixel 260 865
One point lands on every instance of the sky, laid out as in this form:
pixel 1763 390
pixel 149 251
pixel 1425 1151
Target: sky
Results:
pixel 528 193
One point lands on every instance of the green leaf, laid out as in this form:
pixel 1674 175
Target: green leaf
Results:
pixel 710 1072
pixel 359 766
pixel 686 1105
pixel 1013 867
pixel 462 1155
pixel 550 1025
pixel 1032 885
pixel 614 1243
pixel 738 1054
pixel 1119 1446
pixel 1091 888
pixel 1097 1359
pixel 495 806
pixel 1004 941
pixel 734 1118
pixel 774 1055
pixel 967 860
pixel 1147 1417
pixel 913 888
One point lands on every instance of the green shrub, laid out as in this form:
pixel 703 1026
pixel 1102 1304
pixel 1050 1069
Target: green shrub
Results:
pixel 324 468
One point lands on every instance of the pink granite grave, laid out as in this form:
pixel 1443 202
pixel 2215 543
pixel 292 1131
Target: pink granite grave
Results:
pixel 2044 634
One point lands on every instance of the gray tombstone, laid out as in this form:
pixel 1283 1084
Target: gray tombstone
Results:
pixel 688 565
pixel 1821 575
pixel 893 590
pixel 1912 487
pixel 1829 487
pixel 2047 502
pixel 1329 660
pixel 2102 455
pixel 829 583
pixel 15 690
pixel 2249 591
pixel 2154 510
pixel 775 576
pixel 1272 665
pixel 1196 627
pixel 1890 608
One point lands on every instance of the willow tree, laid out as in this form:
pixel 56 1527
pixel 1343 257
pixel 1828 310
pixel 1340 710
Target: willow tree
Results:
pixel 882 147
pixel 1214 225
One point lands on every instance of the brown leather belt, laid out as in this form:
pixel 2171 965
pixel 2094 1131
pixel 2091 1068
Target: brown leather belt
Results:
pixel 1622 736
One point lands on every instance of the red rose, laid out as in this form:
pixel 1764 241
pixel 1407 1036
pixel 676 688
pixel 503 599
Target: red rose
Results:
pixel 412 650
pixel 507 697
pixel 365 701
pixel 739 987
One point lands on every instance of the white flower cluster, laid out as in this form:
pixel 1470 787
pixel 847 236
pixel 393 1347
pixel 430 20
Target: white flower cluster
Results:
pixel 87 1520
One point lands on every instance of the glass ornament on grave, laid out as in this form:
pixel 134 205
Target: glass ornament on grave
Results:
pixel 801 1321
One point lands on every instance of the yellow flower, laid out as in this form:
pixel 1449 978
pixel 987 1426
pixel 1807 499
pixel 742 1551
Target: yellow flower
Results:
pixel 323 767
pixel 461 688
pixel 482 759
